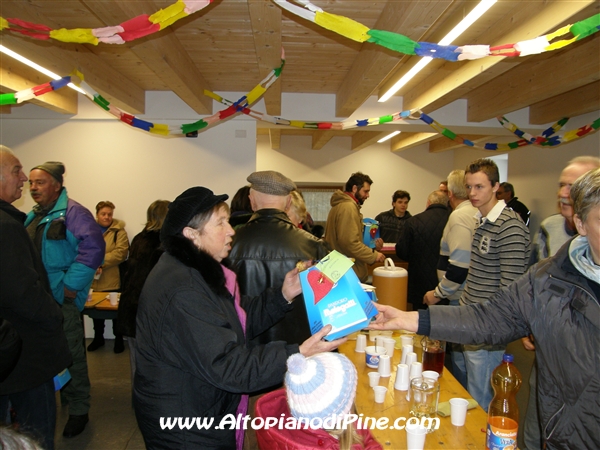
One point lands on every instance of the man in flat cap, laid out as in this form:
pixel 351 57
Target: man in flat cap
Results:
pixel 72 248
pixel 269 246
pixel 344 228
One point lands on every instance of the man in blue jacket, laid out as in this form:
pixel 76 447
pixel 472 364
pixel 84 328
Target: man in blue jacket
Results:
pixel 72 248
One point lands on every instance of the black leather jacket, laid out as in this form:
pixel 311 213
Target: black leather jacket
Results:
pixel 264 250
pixel 559 307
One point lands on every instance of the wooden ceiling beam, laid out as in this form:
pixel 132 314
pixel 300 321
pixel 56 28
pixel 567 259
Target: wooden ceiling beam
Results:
pixel 275 138
pixel 443 144
pixel 374 64
pixel 265 18
pixel 321 137
pixel 535 80
pixel 573 103
pixel 164 54
pixel 404 141
pixel 15 76
pixel 527 21
pixel 363 139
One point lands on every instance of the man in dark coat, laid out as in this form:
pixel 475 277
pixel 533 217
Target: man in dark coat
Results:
pixel 506 192
pixel 268 247
pixel 419 244
pixel 27 303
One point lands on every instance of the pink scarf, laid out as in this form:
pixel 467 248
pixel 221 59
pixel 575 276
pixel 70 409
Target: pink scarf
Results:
pixel 232 287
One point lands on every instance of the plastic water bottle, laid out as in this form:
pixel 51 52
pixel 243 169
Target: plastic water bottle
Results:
pixel 503 412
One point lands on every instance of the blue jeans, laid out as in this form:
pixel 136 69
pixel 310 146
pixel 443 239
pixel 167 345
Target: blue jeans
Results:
pixel 459 368
pixel 480 365
pixel 35 411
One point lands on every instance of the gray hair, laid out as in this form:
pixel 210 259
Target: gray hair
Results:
pixel 585 193
pixel 4 151
pixel 438 197
pixel 591 161
pixel 456 184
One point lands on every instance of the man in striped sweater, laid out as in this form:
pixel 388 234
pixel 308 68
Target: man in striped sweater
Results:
pixel 499 255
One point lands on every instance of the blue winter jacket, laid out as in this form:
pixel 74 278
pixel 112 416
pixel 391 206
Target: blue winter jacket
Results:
pixel 72 248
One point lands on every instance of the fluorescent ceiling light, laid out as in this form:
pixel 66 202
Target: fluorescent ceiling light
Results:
pixel 469 20
pixel 37 67
pixel 389 136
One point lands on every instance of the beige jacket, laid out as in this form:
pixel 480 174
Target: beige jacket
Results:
pixel 344 233
pixel 117 249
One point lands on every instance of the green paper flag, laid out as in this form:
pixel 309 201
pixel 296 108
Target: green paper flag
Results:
pixel 393 41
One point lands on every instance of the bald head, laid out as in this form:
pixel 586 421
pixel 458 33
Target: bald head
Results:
pixel 11 175
pixel 260 200
pixel 575 168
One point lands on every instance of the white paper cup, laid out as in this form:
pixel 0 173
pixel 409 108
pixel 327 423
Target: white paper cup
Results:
pixel 415 436
pixel 401 382
pixel 379 340
pixel 372 355
pixel 458 411
pixel 361 343
pixel 431 374
pixel 114 298
pixel 384 368
pixel 406 339
pixel 90 292
pixel 389 345
pixel 410 358
pixel 415 371
pixel 406 350
pixel 374 379
pixel 380 392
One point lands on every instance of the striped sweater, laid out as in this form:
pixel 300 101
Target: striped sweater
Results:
pixel 499 254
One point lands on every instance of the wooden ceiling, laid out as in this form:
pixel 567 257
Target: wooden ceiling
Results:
pixel 232 44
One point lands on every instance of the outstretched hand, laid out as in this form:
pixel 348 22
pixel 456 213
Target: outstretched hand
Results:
pixel 390 318
pixel 315 344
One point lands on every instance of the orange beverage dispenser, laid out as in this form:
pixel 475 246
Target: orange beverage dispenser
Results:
pixel 391 284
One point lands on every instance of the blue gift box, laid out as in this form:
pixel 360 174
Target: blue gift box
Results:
pixel 370 232
pixel 347 307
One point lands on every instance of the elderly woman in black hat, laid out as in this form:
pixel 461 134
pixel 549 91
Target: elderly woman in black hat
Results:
pixel 193 362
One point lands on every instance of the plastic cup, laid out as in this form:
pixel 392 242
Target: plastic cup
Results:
pixel 114 298
pixel 415 370
pixel 406 339
pixel 406 349
pixel 415 436
pixel 401 382
pixel 410 358
pixel 374 379
pixel 372 355
pixel 380 392
pixel 361 343
pixel 379 341
pixel 389 345
pixel 458 411
pixel 384 368
pixel 89 297
pixel 431 374
pixel 372 334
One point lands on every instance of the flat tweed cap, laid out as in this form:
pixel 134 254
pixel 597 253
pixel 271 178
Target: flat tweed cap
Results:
pixel 189 203
pixel 271 182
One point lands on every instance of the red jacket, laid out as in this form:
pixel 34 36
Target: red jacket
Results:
pixel 274 404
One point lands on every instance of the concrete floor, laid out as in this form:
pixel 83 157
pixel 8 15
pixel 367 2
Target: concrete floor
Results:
pixel 112 424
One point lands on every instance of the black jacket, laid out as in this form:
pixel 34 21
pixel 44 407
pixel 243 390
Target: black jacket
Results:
pixel 263 251
pixel 560 308
pixel 26 302
pixel 144 253
pixel 192 355
pixel 419 244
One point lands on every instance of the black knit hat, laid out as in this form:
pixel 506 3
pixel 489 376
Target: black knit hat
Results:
pixel 191 202
pixel 55 168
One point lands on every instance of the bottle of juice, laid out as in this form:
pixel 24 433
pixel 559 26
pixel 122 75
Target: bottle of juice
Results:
pixel 503 412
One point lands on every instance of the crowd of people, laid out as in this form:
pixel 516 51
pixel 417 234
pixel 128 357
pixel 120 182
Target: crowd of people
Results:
pixel 212 312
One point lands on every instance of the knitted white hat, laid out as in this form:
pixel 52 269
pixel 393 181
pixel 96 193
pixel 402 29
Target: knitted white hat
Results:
pixel 320 385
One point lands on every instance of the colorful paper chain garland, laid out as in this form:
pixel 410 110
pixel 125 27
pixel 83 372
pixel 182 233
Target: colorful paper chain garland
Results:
pixel 145 24
pixel 397 42
pixel 547 138
pixel 133 29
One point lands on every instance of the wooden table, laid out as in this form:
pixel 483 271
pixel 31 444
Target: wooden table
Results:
pixel 100 307
pixel 395 405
